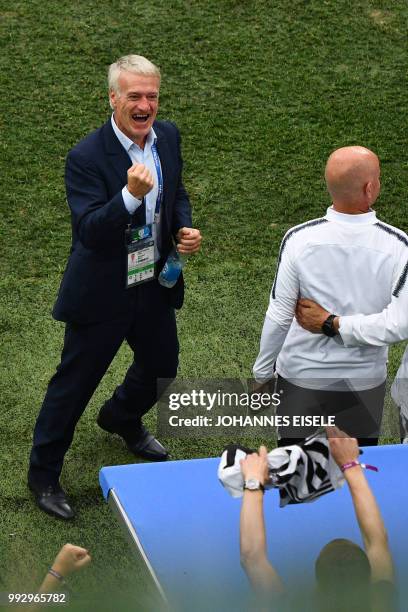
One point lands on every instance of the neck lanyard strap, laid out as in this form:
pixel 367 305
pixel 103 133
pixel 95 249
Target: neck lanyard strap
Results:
pixel 159 179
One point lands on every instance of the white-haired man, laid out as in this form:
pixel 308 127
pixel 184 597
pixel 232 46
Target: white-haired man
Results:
pixel 349 262
pixel 128 205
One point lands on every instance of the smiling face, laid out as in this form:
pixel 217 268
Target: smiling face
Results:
pixel 135 104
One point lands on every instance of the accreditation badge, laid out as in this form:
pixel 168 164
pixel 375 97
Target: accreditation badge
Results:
pixel 140 255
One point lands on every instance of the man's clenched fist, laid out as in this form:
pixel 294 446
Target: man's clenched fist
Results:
pixel 140 180
pixel 188 240
pixel 70 558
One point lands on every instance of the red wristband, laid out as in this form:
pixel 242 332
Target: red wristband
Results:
pixel 365 466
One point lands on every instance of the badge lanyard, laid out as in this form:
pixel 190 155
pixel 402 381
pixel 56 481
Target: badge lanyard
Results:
pixel 159 181
pixel 141 240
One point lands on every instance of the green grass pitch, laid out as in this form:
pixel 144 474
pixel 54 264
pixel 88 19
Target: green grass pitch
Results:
pixel 262 92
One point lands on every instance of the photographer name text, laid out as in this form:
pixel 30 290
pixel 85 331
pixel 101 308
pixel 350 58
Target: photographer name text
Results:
pixel 253 421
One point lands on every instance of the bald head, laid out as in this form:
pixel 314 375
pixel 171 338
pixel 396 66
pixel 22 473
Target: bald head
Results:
pixel 352 178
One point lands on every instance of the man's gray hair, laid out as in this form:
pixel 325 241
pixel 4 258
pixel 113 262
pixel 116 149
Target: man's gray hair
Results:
pixel 130 63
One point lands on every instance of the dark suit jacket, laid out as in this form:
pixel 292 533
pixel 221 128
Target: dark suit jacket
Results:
pixel 93 285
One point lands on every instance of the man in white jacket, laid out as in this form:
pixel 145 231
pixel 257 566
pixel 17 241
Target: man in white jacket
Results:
pixel 350 262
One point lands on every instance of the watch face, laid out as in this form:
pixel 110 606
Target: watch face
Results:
pixel 252 484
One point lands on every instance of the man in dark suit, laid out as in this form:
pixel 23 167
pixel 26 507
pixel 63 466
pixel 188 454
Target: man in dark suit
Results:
pixel 125 175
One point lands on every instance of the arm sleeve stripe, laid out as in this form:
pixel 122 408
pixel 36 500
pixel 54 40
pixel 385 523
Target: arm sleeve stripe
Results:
pixel 291 232
pixel 392 232
pixel 403 278
pixel 401 281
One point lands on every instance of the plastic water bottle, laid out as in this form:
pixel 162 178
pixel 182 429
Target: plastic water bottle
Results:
pixel 172 269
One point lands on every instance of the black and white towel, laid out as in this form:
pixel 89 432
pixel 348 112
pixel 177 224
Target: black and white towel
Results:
pixel 302 472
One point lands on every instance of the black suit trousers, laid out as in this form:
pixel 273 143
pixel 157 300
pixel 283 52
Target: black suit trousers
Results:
pixel 358 413
pixel 149 327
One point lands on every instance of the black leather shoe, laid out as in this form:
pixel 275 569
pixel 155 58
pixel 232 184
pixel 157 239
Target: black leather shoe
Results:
pixel 147 447
pixel 141 443
pixel 53 500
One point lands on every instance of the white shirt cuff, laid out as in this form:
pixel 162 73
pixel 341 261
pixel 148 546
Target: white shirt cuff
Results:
pixel 131 203
pixel 346 330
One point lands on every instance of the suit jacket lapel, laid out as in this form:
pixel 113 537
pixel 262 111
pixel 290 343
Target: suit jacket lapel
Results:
pixel 118 157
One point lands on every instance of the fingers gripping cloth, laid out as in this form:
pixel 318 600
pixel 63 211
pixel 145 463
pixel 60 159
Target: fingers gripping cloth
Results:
pixel 302 472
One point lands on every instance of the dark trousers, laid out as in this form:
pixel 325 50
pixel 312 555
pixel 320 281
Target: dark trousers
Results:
pixel 358 413
pixel 150 330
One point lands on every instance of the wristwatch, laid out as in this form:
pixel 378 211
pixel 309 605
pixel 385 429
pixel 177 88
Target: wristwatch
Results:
pixel 328 327
pixel 252 484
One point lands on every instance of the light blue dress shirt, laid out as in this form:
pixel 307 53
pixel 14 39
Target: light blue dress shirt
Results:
pixel 141 156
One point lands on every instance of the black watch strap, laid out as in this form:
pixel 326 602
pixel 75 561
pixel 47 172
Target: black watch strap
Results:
pixel 328 326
